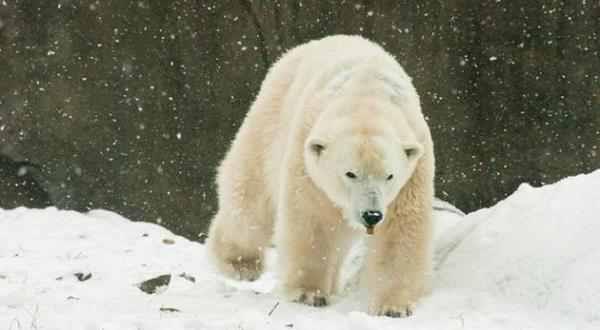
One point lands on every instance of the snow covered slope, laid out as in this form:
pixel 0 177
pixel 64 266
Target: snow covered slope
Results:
pixel 530 262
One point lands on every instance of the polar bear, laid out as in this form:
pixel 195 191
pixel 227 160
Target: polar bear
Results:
pixel 335 146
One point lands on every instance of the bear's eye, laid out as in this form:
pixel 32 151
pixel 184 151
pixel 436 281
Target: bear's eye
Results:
pixel 317 148
pixel 410 152
pixel 390 177
pixel 350 175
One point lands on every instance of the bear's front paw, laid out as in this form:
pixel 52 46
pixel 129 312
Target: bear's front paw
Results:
pixel 245 269
pixel 314 298
pixel 392 310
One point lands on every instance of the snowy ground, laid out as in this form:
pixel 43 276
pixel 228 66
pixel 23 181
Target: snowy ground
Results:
pixel 530 262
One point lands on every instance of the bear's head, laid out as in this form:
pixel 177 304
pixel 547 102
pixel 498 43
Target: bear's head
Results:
pixel 361 154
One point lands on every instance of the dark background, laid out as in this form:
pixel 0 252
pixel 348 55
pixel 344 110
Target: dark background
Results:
pixel 130 105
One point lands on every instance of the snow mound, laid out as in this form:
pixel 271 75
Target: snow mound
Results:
pixel 534 252
pixel 530 262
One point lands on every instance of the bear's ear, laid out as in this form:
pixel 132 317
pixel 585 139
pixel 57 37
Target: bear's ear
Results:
pixel 413 151
pixel 316 146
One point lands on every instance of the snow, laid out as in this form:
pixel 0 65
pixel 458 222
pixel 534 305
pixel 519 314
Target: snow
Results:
pixel 529 262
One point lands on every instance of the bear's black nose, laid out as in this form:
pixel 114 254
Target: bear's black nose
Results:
pixel 372 217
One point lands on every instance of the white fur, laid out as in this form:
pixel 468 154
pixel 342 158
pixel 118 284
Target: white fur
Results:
pixel 336 105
